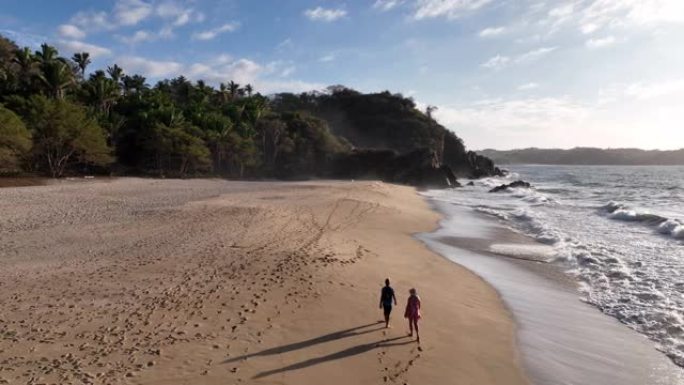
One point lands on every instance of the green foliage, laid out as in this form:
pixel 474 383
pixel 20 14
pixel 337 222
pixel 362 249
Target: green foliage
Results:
pixel 15 141
pixel 176 149
pixel 306 145
pixel 64 136
pixel 179 127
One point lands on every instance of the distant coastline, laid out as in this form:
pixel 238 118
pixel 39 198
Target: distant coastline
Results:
pixel 586 156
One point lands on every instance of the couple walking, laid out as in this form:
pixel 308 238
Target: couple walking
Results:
pixel 412 311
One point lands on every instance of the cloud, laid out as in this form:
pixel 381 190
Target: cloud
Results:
pixel 287 71
pixel 284 44
pixel 323 14
pixel 138 37
pixel 221 69
pixel 492 32
pixel 327 58
pixel 70 31
pixel 212 33
pixel 142 36
pixel 242 71
pixel 296 86
pixel 528 86
pixel 92 21
pixel 24 39
pixel 528 114
pixel 386 5
pixel 149 68
pixel 131 12
pixel 509 123
pixel 594 15
pixel 642 91
pixel 451 9
pixel 546 121
pixel 73 46
pixel 128 13
pixel 671 90
pixel 180 15
pixel 497 62
pixel 600 42
pixel 535 54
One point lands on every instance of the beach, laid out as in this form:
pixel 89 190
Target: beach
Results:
pixel 147 281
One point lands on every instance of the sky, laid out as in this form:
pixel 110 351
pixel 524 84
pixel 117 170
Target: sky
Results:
pixel 503 73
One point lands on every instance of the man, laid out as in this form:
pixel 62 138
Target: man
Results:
pixel 386 299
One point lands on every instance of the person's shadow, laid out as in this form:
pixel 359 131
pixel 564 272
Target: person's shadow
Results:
pixel 354 350
pixel 355 331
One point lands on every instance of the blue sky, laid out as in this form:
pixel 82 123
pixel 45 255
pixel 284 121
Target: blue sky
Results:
pixel 503 74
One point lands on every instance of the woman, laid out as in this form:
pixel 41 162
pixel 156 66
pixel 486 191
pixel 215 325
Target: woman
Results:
pixel 413 312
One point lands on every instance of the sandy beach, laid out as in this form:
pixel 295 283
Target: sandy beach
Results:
pixel 136 281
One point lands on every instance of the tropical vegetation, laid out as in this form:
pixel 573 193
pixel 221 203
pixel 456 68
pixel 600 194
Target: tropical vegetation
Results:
pixel 57 118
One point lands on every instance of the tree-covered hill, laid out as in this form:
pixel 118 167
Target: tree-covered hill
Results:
pixel 386 121
pixel 58 118
pixel 587 156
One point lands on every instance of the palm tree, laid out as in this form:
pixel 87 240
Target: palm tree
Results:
pixel 254 109
pixel 26 62
pixel 133 83
pixel 234 89
pixel 55 73
pixel 220 141
pixel 56 77
pixel 249 90
pixel 101 92
pixel 83 60
pixel 223 92
pixel 115 72
pixel 47 54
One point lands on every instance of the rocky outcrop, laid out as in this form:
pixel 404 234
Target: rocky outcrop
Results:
pixel 516 184
pixel 418 168
pixel 482 166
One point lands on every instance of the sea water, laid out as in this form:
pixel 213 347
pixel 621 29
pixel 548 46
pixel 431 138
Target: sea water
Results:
pixel 617 231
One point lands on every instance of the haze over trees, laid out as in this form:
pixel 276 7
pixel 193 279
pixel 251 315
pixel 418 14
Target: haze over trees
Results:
pixel 587 156
pixel 57 117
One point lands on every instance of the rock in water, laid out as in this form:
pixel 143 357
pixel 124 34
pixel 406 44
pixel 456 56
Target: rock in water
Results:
pixel 516 184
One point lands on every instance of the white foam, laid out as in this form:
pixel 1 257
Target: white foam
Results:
pixel 535 252
pixel 628 255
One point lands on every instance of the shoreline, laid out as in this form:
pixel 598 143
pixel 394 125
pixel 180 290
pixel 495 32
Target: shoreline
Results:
pixel 143 281
pixel 562 340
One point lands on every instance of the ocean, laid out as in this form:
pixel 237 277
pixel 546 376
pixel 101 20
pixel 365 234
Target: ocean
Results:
pixel 617 231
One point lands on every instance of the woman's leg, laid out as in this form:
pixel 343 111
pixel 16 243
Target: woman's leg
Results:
pixel 410 326
pixel 415 321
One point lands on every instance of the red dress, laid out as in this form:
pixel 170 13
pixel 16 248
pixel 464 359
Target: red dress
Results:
pixel 413 308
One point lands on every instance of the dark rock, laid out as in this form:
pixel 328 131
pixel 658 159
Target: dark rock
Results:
pixel 480 166
pixel 471 183
pixel 418 168
pixel 516 184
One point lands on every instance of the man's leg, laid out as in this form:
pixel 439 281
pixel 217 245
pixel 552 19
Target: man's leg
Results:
pixel 387 311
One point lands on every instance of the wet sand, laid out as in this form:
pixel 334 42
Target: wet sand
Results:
pixel 139 281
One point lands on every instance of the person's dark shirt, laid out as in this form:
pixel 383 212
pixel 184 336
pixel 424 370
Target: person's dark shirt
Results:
pixel 386 296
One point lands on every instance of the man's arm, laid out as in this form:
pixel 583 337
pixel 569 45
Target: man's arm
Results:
pixel 395 298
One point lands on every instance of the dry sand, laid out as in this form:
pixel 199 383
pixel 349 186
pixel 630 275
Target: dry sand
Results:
pixel 135 281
